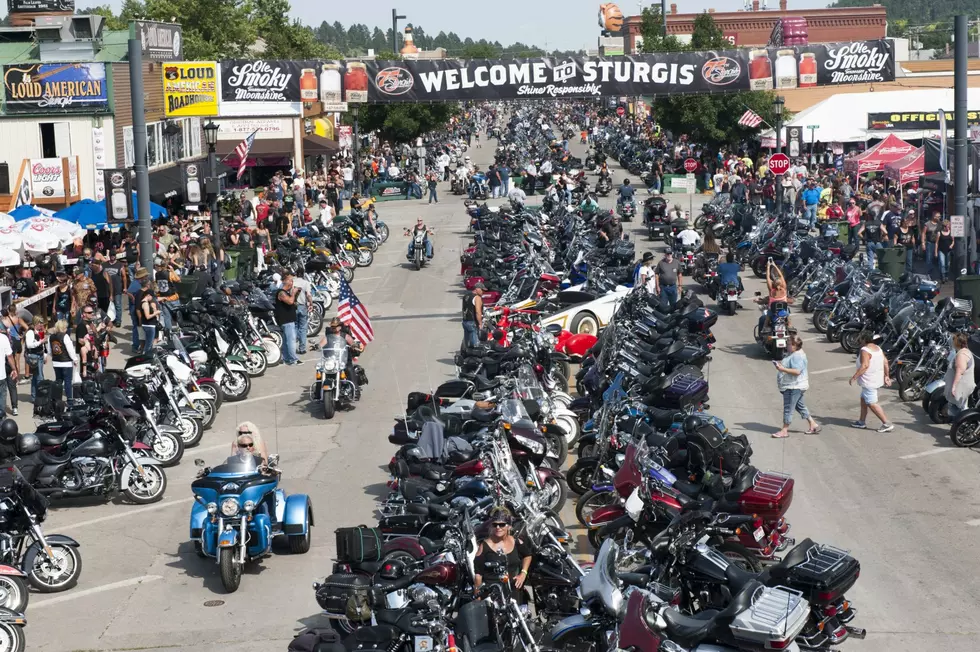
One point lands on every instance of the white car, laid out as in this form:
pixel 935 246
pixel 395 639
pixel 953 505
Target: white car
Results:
pixel 586 317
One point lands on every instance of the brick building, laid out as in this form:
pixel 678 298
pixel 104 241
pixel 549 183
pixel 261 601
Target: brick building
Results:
pixel 752 28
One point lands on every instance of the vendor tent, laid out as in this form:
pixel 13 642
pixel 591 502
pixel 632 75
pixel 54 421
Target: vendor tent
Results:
pixel 875 159
pixel 908 168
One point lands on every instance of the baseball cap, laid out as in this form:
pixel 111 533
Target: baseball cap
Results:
pixel 668 251
pixel 479 286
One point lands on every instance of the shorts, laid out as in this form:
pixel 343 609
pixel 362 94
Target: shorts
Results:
pixel 870 395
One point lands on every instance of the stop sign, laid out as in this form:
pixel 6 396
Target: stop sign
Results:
pixel 779 163
pixel 620 111
pixel 690 165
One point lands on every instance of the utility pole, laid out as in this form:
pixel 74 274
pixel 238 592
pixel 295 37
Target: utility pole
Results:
pixel 144 228
pixel 663 14
pixel 965 247
pixel 394 30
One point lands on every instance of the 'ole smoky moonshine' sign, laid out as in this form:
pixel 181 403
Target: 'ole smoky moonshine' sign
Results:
pixel 55 87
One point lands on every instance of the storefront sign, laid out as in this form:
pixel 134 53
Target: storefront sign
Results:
pixel 277 87
pixel 645 74
pixel 190 88
pixel 160 41
pixel 346 137
pixel 235 129
pixel 40 6
pixel 55 87
pixel 98 155
pixel 47 178
pixel 119 203
pixel 914 120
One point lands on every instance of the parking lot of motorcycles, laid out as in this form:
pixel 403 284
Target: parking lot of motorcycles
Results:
pixel 121 431
pixel 586 390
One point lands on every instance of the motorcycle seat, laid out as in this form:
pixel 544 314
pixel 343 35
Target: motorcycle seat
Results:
pixel 688 631
pixel 369 567
pixel 484 416
pixel 430 546
pixel 52 439
pixel 439 512
pixel 634 579
pixel 662 419
pixel 793 558
pixel 688 488
pixel 49 458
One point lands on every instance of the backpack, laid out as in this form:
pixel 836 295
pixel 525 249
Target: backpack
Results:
pixel 316 640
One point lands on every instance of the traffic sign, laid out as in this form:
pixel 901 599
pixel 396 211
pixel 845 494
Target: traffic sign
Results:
pixel 692 183
pixel 813 126
pixel 779 163
pixel 690 165
pixel 957 226
pixel 620 111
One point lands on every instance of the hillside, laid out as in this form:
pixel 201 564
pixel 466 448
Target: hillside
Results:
pixel 932 21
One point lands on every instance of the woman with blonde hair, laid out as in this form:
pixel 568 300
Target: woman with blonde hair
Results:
pixel 249 440
pixel 63 356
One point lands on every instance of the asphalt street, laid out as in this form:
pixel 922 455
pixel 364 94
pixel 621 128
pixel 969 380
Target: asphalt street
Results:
pixel 905 503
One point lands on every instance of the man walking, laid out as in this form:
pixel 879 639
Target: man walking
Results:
pixel 811 198
pixel 285 312
pixel 532 172
pixel 473 316
pixel 304 304
pixel 669 277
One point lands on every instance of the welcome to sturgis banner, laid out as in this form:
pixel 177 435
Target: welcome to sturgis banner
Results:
pixel 780 68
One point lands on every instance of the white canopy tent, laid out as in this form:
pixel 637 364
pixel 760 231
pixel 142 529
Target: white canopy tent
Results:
pixel 844 118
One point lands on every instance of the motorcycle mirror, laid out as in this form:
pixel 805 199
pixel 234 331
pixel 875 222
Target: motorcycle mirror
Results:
pixel 758 294
pixel 274 459
pixel 198 462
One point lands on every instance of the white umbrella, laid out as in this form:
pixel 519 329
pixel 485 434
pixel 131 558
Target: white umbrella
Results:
pixel 6 220
pixel 62 229
pixel 40 241
pixel 9 257
pixel 10 237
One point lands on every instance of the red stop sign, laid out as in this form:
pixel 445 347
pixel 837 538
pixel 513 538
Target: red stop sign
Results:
pixel 690 165
pixel 620 111
pixel 779 163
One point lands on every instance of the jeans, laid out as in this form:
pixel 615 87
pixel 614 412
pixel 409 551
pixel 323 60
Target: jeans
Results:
pixel 494 191
pixel 909 259
pixel 506 190
pixel 302 322
pixel 65 375
pixel 944 259
pixel 136 327
pixel 117 301
pixel 852 233
pixel 471 336
pixel 167 316
pixel 8 387
pixel 149 332
pixel 669 292
pixel 811 214
pixel 428 248
pixel 930 258
pixel 289 341
pixel 793 400
pixel 348 188
pixel 872 249
pixel 529 185
pixel 432 195
pixel 37 375
pixel 952 412
pixel 568 196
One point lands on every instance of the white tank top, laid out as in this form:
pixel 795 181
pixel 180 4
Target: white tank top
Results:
pixel 874 377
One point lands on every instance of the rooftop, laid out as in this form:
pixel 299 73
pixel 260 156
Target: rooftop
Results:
pixel 19 46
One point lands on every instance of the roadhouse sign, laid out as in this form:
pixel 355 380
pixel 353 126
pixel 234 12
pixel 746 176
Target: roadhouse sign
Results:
pixel 645 74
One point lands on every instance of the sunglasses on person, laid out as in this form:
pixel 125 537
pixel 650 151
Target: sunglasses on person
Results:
pixel 248 445
pixel 499 524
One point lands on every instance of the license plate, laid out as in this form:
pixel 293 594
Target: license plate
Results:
pixel 780 344
pixel 423 644
pixel 758 535
pixel 732 296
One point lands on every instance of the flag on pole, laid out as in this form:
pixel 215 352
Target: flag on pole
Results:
pixel 242 151
pixel 353 313
pixel 750 119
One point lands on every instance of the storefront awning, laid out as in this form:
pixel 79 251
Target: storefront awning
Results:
pixel 260 147
pixel 314 144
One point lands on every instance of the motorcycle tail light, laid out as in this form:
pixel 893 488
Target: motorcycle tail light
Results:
pixel 778 645
pixel 756 522
pixel 826 596
pixel 830 611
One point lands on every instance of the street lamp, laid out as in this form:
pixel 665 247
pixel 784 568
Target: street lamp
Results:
pixel 211 138
pixel 777 108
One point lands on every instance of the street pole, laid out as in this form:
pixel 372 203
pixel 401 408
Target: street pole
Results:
pixel 965 249
pixel 213 197
pixel 357 152
pixel 145 229
pixel 663 14
pixel 394 30
pixel 778 107
pixel 813 158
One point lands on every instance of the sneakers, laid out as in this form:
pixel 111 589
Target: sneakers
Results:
pixel 13 411
pixel 885 427
pixel 299 362
pixel 859 424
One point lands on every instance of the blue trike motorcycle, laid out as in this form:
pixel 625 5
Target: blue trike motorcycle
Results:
pixel 239 509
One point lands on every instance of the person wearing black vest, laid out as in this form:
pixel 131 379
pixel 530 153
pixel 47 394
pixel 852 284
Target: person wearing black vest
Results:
pixel 63 357
pixel 285 311
pixel 873 232
pixel 473 315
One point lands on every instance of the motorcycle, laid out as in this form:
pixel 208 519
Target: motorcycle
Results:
pixel 728 297
pixel 626 210
pixel 775 330
pixel 332 387
pixel 239 509
pixel 417 254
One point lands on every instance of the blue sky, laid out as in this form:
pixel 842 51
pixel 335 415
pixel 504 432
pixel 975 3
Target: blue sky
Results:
pixel 563 25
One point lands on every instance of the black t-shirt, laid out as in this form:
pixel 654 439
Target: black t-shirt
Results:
pixel 62 300
pixel 132 252
pixel 102 284
pixel 25 286
pixel 872 230
pixel 115 276
pixel 487 563
pixel 285 312
pixel 81 332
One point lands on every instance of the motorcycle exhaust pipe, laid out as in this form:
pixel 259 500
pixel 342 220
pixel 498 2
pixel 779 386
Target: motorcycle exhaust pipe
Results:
pixel 856 632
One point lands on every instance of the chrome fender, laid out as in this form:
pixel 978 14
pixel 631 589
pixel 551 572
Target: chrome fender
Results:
pixel 128 470
pixel 227 538
pixel 35 549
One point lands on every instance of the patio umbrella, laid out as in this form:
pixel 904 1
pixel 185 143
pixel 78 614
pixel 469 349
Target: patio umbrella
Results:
pixel 6 220
pixel 41 241
pixel 10 237
pixel 25 212
pixel 88 214
pixel 61 229
pixel 9 257
pixel 156 210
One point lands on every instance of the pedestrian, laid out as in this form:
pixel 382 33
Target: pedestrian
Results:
pixel 793 381
pixel 34 352
pixel 811 199
pixel 304 304
pixel 14 327
pixel 118 273
pixel 645 276
pixel 8 377
pixel 63 356
pixel 433 182
pixel 285 313
pixel 928 237
pixel 669 277
pixel 473 316
pixel 872 374
pixel 135 294
pixel 944 251
pixel 873 232
pixel 905 237
pixel 960 376
pixel 853 215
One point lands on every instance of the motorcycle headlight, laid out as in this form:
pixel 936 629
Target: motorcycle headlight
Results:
pixel 249 505
pixel 212 508
pixel 330 364
pixel 229 506
pixel 535 447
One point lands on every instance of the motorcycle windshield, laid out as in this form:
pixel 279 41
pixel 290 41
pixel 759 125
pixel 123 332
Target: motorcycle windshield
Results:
pixel 512 410
pixel 335 350
pixel 246 464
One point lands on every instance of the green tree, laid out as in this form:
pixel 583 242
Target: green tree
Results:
pixel 480 51
pixel 403 123
pixel 285 39
pixel 708 118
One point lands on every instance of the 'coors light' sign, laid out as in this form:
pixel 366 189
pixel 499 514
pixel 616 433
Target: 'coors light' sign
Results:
pixel 259 81
pixel 48 178
pixel 856 63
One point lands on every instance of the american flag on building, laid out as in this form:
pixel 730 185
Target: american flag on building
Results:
pixel 242 151
pixel 353 313
pixel 750 119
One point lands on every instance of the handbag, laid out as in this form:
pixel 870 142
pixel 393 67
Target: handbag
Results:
pixel 111 312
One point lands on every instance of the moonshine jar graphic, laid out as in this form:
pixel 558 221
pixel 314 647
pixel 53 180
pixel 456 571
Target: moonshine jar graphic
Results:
pixel 307 85
pixel 117 201
pixel 786 69
pixel 356 82
pixel 330 84
pixel 760 70
pixel 808 70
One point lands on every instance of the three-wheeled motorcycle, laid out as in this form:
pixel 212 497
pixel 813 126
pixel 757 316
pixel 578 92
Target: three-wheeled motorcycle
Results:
pixel 239 509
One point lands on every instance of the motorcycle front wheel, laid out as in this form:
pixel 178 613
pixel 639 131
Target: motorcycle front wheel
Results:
pixel 382 230
pixel 273 353
pixel 208 412
pixel 364 257
pixel 849 342
pixel 579 476
pixel 235 386
pixel 315 322
pixel 145 490
pixel 167 448
pixel 590 501
pixel 910 385
pixel 212 388
pixel 14 594
pixel 12 638
pixel 231 569
pixel 821 320
pixel 59 573
pixel 255 363
pixel 557 493
pixel 191 430
pixel 966 433
pixel 329 408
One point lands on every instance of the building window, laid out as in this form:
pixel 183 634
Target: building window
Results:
pixel 129 157
pixel 167 142
pixel 55 139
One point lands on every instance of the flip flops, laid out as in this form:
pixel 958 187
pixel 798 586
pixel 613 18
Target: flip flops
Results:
pixel 813 431
pixel 780 435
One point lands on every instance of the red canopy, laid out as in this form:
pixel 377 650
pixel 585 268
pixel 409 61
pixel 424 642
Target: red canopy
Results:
pixel 908 168
pixel 890 149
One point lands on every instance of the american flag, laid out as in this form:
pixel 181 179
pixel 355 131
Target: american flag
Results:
pixel 353 313
pixel 750 119
pixel 242 151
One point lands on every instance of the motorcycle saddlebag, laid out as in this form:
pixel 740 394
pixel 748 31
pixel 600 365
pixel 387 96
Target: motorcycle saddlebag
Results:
pixel 701 320
pixel 685 391
pixel 358 544
pixel 401 434
pixel 347 595
pixel 50 401
pixel 316 640
pixel 710 449
pixel 823 573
